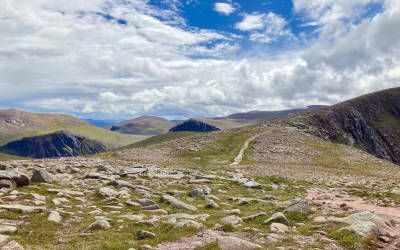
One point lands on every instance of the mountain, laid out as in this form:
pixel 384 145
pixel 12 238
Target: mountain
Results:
pixel 144 125
pixel 101 123
pixel 370 122
pixel 267 115
pixel 192 125
pixel 16 124
pixel 58 144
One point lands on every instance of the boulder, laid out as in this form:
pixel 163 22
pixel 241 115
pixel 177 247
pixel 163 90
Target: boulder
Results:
pixel 41 175
pixel 235 243
pixel 298 206
pixel 20 179
pixel 231 220
pixel 189 223
pixel 279 218
pixel 142 234
pixel 5 229
pixel 100 224
pixel 22 208
pixel 279 228
pixel 55 217
pixel 177 203
pixel 12 245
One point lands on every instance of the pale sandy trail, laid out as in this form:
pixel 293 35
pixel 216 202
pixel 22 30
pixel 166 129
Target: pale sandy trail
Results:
pixel 238 159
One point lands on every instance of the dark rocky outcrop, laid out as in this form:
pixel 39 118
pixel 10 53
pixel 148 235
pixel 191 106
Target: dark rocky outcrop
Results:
pixel 194 126
pixel 370 122
pixel 58 144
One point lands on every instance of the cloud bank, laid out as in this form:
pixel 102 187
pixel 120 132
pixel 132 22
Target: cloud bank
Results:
pixel 125 58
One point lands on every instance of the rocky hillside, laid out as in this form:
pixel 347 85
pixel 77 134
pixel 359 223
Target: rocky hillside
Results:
pixel 370 122
pixel 258 116
pixel 16 124
pixel 58 144
pixel 192 125
pixel 144 125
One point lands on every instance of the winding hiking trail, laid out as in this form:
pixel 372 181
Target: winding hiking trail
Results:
pixel 238 159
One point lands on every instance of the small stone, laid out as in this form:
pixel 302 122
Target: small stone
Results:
pixel 298 205
pixel 252 184
pixel 12 245
pixel 277 217
pixel 55 217
pixel 5 229
pixel 189 223
pixel 279 228
pixel 41 175
pixel 177 203
pixel 100 224
pixel 3 238
pixel 235 243
pixel 142 234
pixel 254 216
pixel 22 208
pixel 232 220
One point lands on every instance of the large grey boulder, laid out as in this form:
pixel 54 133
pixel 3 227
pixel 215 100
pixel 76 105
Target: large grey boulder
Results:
pixel 177 203
pixel 298 206
pixel 277 217
pixel 231 220
pixel 235 243
pixel 98 225
pixel 367 224
pixel 41 175
pixel 22 208
pixel 20 179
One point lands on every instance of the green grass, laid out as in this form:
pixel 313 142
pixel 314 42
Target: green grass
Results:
pixel 209 246
pixel 154 140
pixel 226 146
pixel 7 157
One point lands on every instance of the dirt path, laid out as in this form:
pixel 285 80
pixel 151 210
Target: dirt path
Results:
pixel 238 159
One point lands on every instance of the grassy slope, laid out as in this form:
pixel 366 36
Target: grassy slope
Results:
pixel 227 123
pixel 40 124
pixel 6 157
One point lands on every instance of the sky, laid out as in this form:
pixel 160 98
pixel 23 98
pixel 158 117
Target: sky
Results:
pixel 117 59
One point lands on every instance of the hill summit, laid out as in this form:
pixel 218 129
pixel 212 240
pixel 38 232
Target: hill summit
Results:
pixel 58 144
pixel 193 125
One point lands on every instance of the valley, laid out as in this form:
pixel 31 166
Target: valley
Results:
pixel 278 184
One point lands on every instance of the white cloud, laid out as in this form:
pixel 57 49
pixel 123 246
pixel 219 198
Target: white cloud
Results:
pixel 264 27
pixel 65 58
pixel 224 8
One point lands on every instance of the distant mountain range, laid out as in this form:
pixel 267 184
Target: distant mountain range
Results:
pixel 102 123
pixel 153 125
pixel 17 124
pixel 144 125
pixel 58 144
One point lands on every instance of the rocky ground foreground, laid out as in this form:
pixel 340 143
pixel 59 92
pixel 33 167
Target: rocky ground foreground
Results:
pixel 89 203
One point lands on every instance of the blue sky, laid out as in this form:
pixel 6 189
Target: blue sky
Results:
pixel 118 59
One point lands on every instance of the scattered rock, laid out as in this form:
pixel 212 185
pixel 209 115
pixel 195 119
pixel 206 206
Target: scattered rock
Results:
pixel 279 228
pixel 252 184
pixel 231 220
pixel 189 223
pixel 234 243
pixel 279 218
pixel 12 245
pixel 55 217
pixel 298 206
pixel 254 216
pixel 20 179
pixel 22 208
pixel 142 234
pixel 5 229
pixel 177 203
pixel 41 175
pixel 98 225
